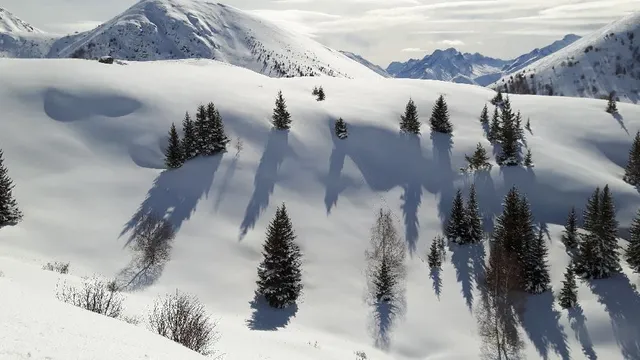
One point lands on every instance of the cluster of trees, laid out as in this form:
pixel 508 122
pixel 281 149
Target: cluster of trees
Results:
pixel 505 129
pixel 318 92
pixel 204 136
pixel 464 225
pixel 10 214
pixel 439 120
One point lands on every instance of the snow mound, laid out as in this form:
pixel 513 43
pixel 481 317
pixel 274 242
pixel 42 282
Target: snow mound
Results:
pixel 604 61
pixel 84 171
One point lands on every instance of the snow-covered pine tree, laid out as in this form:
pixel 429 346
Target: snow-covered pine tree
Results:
pixel 203 131
pixel 409 121
pixel 526 243
pixel 537 280
pixel 279 273
pixel 457 229
pixel 340 129
pixel 484 115
pixel 173 155
pixel 434 259
pixel 474 219
pixel 632 170
pixel 609 257
pixel 510 147
pixel 509 231
pixel 10 214
pixel 570 233
pixel 528 159
pixel 632 254
pixel 218 138
pixel 569 294
pixel 586 261
pixel 497 100
pixel 612 108
pixel 479 160
pixel 281 117
pixel 189 138
pixel 495 129
pixel 320 95
pixel 518 124
pixel 440 117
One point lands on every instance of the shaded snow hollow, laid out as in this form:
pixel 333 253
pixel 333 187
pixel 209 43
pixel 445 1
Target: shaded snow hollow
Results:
pixel 83 142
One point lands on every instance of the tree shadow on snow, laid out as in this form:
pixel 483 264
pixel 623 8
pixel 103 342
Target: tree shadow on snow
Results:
pixel 334 182
pixel 486 195
pixel 578 324
pixel 135 276
pixel 275 151
pixel 383 317
pixel 622 302
pixel 175 193
pixel 412 196
pixel 443 176
pixel 267 318
pixel 436 281
pixel 226 181
pixel 541 324
pixel 468 260
pixel 620 121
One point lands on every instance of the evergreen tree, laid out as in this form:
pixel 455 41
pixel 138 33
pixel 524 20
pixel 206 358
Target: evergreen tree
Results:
pixel 632 171
pixel 440 117
pixel 457 230
pixel 537 279
pixel 495 129
pixel 341 129
pixel 510 155
pixel 189 138
pixel 10 214
pixel 479 160
pixel 526 256
pixel 528 160
pixel 409 122
pixel 609 235
pixel 507 235
pixel 202 131
pixel 528 126
pixel 484 115
pixel 217 139
pixel 632 254
pixel 586 259
pixel 279 273
pixel 281 117
pixel 173 155
pixel 434 259
pixel 518 124
pixel 570 234
pixel 497 100
pixel 320 95
pixel 569 294
pixel 474 219
pixel 612 108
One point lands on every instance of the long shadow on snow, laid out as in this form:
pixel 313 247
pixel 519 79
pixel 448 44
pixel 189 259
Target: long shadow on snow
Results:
pixel 436 281
pixel 443 176
pixel 541 323
pixel 383 317
pixel 578 324
pixel 620 121
pixel 468 260
pixel 226 180
pixel 264 317
pixel 334 182
pixel 175 193
pixel 275 151
pixel 136 276
pixel 622 302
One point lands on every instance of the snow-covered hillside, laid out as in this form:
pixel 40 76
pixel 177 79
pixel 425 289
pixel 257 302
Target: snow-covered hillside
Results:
pixel 11 23
pixel 83 142
pixel 20 39
pixel 179 29
pixel 593 66
pixel 366 63
pixel 538 53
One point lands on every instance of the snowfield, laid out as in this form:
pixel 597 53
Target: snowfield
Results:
pixel 84 142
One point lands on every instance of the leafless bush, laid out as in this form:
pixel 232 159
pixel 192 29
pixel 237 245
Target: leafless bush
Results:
pixel 96 295
pixel 133 320
pixel 59 267
pixel 361 355
pixel 183 319
pixel 238 145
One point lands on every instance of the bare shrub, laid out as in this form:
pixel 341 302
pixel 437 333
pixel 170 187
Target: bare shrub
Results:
pixel 96 295
pixel 59 267
pixel 361 355
pixel 183 319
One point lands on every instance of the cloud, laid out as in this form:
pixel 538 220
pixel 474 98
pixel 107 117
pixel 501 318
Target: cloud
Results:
pixel 413 50
pixel 452 42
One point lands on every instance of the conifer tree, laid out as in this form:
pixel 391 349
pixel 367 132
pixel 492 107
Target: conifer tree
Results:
pixel 457 229
pixel 10 214
pixel 528 126
pixel 474 219
pixel 320 94
pixel 409 122
pixel 632 171
pixel 586 259
pixel 484 115
pixel 281 117
pixel 609 235
pixel 217 138
pixel 440 117
pixel 495 129
pixel 632 254
pixel 279 273
pixel 510 155
pixel 518 124
pixel 189 138
pixel 385 260
pixel 537 279
pixel 569 294
pixel 497 100
pixel 507 239
pixel 479 160
pixel 341 129
pixel 434 259
pixel 202 131
pixel 173 155
pixel 570 234
pixel 528 159
pixel 612 108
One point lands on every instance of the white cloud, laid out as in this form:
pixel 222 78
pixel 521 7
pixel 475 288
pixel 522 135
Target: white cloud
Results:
pixel 452 42
pixel 413 50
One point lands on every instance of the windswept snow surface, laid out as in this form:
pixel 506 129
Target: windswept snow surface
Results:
pixel 83 142
pixel 606 60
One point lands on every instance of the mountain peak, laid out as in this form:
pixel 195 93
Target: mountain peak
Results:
pixel 10 23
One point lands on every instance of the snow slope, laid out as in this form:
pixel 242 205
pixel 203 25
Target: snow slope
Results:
pixel 538 53
pixel 366 63
pixel 20 39
pixel 83 142
pixel 606 60
pixel 178 29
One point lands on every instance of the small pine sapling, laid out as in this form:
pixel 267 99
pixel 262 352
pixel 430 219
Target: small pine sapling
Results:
pixel 570 233
pixel 435 258
pixel 341 130
pixel 479 160
pixel 484 115
pixel 320 95
pixel 528 159
pixel 612 108
pixel 569 294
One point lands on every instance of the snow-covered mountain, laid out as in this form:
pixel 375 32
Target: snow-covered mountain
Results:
pixel 20 39
pixel 452 65
pixel 366 63
pixel 93 162
pixel 604 61
pixel 11 23
pixel 178 29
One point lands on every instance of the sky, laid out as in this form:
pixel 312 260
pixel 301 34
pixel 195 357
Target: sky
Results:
pixel 381 30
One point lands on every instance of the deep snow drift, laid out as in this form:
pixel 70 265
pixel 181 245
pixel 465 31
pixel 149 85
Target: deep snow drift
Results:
pixel 83 142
